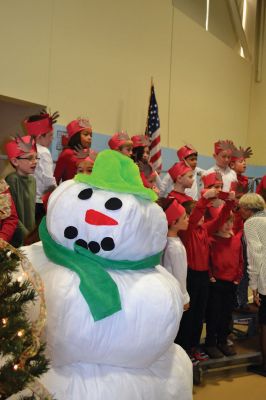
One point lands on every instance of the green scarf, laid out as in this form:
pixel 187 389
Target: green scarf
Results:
pixel 96 285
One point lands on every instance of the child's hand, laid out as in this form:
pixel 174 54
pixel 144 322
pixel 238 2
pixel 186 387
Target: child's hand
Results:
pixel 210 193
pixel 256 297
pixel 212 279
pixel 236 283
pixel 231 195
pixel 186 307
pixel 156 190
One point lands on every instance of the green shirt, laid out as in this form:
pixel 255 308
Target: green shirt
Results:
pixel 23 191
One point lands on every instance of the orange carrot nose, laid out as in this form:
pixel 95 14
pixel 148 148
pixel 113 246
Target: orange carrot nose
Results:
pixel 94 217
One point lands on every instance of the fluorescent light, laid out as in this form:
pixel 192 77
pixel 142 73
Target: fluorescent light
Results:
pixel 207 15
pixel 244 22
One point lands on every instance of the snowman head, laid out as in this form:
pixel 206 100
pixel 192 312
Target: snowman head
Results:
pixel 119 224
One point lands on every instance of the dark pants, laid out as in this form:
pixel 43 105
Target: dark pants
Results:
pixel 192 320
pixel 242 289
pixel 219 311
pixel 39 212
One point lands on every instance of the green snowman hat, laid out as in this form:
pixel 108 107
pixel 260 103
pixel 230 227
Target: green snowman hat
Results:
pixel 116 172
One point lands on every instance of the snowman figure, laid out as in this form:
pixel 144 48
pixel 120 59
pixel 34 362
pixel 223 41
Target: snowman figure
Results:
pixel 112 311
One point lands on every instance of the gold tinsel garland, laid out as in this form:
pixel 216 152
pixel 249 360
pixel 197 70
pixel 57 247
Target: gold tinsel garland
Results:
pixel 37 326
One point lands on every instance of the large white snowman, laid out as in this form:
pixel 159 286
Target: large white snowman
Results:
pixel 112 311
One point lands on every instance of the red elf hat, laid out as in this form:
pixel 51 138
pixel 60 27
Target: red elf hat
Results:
pixel 174 211
pixel 178 169
pixel 185 151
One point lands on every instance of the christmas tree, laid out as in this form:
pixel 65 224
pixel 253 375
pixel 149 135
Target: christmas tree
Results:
pixel 22 358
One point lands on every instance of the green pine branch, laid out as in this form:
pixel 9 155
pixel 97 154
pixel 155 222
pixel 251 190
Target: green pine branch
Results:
pixel 18 366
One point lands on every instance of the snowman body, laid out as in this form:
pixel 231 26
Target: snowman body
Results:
pixel 130 354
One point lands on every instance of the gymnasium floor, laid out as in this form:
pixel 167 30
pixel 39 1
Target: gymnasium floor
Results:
pixel 236 383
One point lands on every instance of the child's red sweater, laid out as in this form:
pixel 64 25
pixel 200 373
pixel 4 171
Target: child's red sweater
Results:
pixel 196 238
pixel 180 197
pixel 226 258
pixel 9 224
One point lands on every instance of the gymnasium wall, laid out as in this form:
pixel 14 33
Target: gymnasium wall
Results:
pixel 95 59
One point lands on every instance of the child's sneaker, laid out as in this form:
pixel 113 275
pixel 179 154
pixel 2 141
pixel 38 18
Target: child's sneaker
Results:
pixel 200 355
pixel 227 350
pixel 229 342
pixel 193 360
pixel 214 352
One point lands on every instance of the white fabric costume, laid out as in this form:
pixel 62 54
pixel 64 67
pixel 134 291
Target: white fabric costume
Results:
pixel 129 354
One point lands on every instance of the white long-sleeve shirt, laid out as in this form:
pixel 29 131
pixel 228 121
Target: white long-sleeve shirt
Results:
pixel 255 234
pixel 175 261
pixel 44 172
pixel 167 185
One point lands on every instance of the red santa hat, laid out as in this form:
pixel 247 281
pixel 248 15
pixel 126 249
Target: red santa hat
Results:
pixel 77 126
pixel 174 211
pixel 186 151
pixel 140 141
pixel 119 139
pixel 214 178
pixel 19 146
pixel 178 169
pixel 222 145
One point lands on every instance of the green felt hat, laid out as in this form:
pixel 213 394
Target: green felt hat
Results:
pixel 116 172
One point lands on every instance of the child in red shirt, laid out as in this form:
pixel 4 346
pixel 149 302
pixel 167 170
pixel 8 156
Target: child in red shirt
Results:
pixel 121 142
pixel 183 178
pixel 238 164
pixel 196 241
pixel 141 156
pixel 226 268
pixel 261 189
pixel 79 137
pixel 8 213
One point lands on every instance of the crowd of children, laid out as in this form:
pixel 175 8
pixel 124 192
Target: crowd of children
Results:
pixel 206 248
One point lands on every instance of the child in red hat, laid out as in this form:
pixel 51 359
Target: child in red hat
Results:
pixel 8 213
pixel 22 154
pixel 40 127
pixel 238 164
pixel 85 164
pixel 182 176
pixel 189 155
pixel 122 143
pixel 222 154
pixel 226 270
pixel 261 188
pixel 175 256
pixel 79 138
pixel 213 180
pixel 141 156
pixel 196 242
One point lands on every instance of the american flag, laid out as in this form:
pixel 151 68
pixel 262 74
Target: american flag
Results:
pixel 153 131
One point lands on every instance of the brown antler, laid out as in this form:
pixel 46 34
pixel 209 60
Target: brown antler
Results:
pixel 25 147
pixel 53 116
pixel 227 145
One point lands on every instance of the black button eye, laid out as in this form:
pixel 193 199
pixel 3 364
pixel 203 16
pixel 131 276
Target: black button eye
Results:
pixel 85 194
pixel 113 204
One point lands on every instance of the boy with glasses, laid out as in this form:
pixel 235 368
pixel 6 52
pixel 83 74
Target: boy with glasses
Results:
pixel 22 155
